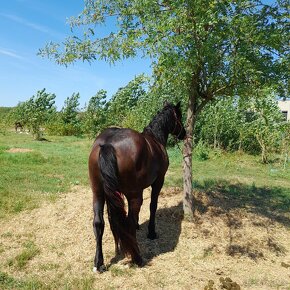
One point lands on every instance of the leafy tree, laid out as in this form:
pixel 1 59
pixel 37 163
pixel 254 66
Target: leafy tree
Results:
pixel 95 115
pixel 19 114
pixel 285 152
pixel 253 124
pixel 124 101
pixel 6 118
pixel 69 115
pixel 142 113
pixel 148 103
pixel 70 109
pixel 204 49
pixel 219 123
pixel 38 110
pixel 264 122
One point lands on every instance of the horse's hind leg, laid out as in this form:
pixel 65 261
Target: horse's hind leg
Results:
pixel 134 209
pixel 115 235
pixel 156 187
pixel 98 225
pixel 133 219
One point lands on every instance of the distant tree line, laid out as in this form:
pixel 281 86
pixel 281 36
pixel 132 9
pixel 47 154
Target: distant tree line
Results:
pixel 253 124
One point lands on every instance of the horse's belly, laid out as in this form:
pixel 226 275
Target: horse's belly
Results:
pixel 138 181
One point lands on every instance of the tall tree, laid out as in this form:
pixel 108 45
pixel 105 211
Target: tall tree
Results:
pixel 203 48
pixel 69 115
pixel 19 114
pixel 70 109
pixel 125 100
pixel 265 123
pixel 218 124
pixel 95 115
pixel 38 110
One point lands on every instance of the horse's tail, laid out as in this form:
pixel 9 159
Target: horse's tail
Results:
pixel 120 225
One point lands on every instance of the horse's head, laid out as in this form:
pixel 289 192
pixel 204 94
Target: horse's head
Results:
pixel 177 128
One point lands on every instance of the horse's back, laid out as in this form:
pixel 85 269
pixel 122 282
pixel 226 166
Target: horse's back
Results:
pixel 140 159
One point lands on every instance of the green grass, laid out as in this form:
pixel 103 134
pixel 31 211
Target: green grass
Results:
pixel 117 271
pixel 51 168
pixel 241 178
pixel 29 252
pixel 10 282
pixel 232 168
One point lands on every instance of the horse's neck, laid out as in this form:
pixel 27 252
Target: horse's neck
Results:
pixel 157 132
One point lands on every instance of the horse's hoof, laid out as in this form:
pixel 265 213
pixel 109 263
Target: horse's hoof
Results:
pixel 100 269
pixel 152 236
pixel 139 262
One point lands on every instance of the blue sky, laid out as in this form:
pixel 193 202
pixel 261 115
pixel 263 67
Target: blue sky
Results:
pixel 26 26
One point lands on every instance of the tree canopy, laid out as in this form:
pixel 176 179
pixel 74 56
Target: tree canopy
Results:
pixel 227 43
pixel 35 112
pixel 202 49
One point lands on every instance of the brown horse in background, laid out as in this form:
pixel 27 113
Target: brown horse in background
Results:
pixel 125 162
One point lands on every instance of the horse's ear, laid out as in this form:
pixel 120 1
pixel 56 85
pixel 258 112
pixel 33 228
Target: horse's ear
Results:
pixel 178 105
pixel 165 103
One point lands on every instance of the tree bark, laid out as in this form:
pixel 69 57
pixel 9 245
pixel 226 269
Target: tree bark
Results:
pixel 188 198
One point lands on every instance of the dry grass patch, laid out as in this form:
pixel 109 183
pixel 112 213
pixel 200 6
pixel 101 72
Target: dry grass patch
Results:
pixel 228 240
pixel 19 150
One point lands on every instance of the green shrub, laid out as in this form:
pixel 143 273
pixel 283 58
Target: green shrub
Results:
pixel 201 151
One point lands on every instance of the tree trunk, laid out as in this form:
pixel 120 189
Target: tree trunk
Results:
pixel 264 152
pixel 188 198
pixel 215 139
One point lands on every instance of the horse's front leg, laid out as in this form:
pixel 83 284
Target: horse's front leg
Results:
pixel 98 225
pixel 156 187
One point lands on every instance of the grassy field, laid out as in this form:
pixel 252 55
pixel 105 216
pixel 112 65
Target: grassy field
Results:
pixel 33 171
pixel 242 222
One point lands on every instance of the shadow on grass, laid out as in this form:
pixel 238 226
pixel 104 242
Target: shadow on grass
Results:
pixel 168 228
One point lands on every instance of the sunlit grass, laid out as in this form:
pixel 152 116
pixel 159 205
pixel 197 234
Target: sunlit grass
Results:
pixel 49 169
pixel 10 282
pixel 30 250
pixel 230 167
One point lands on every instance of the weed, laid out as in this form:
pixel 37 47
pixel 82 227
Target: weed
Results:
pixel 2 248
pixel 49 266
pixel 9 282
pixel 118 271
pixel 208 252
pixel 85 283
pixel 21 260
pixel 201 151
pixel 7 235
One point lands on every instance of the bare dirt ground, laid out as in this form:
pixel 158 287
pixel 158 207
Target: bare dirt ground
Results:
pixel 227 240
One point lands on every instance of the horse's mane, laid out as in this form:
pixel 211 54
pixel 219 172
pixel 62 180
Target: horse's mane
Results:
pixel 161 124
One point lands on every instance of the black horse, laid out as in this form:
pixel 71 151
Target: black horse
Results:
pixel 18 125
pixel 124 162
